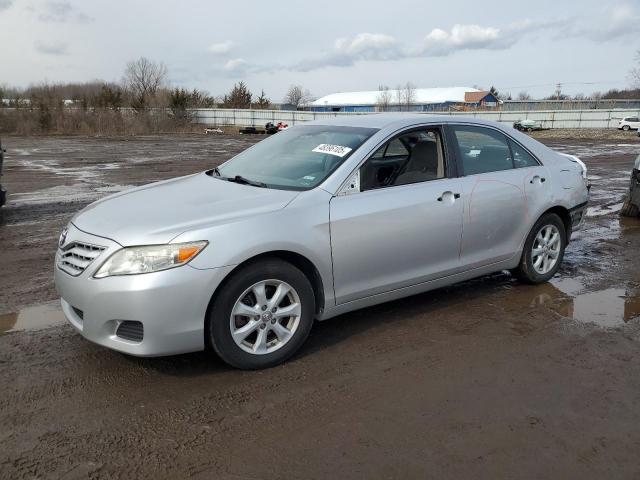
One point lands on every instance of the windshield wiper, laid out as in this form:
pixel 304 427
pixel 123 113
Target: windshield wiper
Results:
pixel 246 181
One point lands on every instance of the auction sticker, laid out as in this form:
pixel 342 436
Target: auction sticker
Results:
pixel 337 150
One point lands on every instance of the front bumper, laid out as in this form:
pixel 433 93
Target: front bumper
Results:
pixel 171 304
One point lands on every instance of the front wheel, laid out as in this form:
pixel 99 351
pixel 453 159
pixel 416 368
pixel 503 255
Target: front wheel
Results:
pixel 543 250
pixel 262 315
pixel 626 128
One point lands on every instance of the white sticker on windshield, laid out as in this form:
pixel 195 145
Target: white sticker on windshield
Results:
pixel 337 150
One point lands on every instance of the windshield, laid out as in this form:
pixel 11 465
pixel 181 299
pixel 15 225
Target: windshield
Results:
pixel 298 158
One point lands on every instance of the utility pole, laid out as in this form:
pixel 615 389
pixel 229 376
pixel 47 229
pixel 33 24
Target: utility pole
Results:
pixel 558 90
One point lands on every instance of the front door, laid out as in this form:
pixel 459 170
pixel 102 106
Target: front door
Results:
pixel 404 225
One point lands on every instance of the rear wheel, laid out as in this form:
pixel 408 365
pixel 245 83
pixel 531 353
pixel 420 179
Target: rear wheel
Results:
pixel 543 250
pixel 629 209
pixel 262 315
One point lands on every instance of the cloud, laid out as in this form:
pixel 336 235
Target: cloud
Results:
pixel 367 45
pixel 347 51
pixel 4 4
pixel 620 21
pixel 60 12
pixel 221 48
pixel 439 42
pixel 235 65
pixel 51 48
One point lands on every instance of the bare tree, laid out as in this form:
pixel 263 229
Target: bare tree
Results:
pixel 634 73
pixel 524 95
pixel 405 96
pixel 143 78
pixel 297 96
pixel 383 100
pixel 399 97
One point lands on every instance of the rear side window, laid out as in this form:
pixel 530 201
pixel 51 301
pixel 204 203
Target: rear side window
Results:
pixel 522 158
pixel 482 150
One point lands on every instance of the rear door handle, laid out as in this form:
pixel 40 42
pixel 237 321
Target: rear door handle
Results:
pixel 537 177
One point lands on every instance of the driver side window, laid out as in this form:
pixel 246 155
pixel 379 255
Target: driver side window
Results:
pixel 413 157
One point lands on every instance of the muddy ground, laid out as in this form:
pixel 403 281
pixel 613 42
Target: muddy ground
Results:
pixel 486 379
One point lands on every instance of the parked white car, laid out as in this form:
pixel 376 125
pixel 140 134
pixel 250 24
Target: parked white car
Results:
pixel 629 123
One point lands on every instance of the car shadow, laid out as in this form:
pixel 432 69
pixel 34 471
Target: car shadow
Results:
pixel 329 333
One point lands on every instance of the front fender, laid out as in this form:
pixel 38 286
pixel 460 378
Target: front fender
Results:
pixel 302 228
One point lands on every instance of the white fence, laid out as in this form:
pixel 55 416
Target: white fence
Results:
pixel 548 118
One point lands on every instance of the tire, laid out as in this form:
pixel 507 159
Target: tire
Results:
pixel 629 209
pixel 626 128
pixel 269 338
pixel 528 271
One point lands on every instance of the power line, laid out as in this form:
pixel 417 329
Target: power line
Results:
pixel 562 83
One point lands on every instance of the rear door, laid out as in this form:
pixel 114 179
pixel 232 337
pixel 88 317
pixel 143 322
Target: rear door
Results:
pixel 403 224
pixel 505 189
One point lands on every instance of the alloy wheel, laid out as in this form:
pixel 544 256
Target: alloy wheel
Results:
pixel 546 249
pixel 265 317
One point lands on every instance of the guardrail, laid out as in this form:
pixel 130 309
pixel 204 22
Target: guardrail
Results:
pixel 219 117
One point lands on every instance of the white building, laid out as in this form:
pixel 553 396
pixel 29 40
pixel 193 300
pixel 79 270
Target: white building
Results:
pixel 424 99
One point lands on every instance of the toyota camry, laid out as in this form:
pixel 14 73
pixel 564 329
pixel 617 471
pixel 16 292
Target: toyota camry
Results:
pixel 319 220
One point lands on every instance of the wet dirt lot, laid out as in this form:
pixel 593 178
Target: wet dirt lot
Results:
pixel 486 379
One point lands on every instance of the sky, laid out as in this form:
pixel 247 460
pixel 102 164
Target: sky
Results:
pixel 326 46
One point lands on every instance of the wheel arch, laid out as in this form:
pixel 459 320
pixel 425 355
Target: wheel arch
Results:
pixel 298 260
pixel 564 215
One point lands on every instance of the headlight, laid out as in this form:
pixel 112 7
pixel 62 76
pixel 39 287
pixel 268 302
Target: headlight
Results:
pixel 150 258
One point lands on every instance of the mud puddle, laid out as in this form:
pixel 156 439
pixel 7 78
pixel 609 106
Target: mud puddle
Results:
pixel 598 149
pixel 608 308
pixel 32 318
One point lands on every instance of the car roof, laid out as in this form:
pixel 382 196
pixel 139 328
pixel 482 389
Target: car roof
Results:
pixel 397 120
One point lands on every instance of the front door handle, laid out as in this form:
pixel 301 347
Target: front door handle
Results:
pixel 448 194
pixel 537 177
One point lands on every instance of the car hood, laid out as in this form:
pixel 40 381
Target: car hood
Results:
pixel 158 212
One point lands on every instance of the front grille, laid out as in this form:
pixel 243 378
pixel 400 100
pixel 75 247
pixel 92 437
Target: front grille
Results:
pixel 77 256
pixel 129 330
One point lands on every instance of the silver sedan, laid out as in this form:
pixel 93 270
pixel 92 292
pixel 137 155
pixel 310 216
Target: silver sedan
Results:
pixel 318 220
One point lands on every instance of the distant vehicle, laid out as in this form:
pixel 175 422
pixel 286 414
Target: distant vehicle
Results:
pixel 527 125
pixel 629 123
pixel 272 128
pixel 3 193
pixel 631 205
pixel 313 222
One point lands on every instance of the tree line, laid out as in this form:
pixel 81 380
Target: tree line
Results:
pixel 98 106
